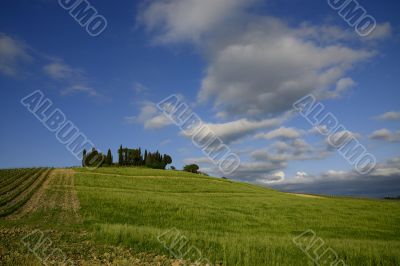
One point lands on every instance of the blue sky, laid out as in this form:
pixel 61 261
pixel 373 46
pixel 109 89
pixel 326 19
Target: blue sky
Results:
pixel 238 64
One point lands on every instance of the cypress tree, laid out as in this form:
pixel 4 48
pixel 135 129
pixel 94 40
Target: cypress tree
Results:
pixel 83 157
pixel 109 159
pixel 120 155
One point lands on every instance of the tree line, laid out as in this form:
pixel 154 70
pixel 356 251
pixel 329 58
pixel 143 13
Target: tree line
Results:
pixel 126 157
pixel 133 157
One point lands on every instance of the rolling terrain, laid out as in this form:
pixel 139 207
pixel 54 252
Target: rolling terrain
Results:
pixel 128 216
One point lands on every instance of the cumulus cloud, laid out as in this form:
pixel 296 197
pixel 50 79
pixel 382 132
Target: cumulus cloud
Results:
pixel 228 132
pixel 343 85
pixel 281 133
pixel 258 65
pixel 273 178
pixel 339 138
pixel 392 115
pixel 188 20
pixel 264 164
pixel 248 171
pixel 301 175
pixel 319 130
pixel 295 150
pixel 280 146
pixel 238 129
pixel 386 135
pixel 268 68
pixel 13 54
pixel 384 180
pixel 150 117
pixel 256 170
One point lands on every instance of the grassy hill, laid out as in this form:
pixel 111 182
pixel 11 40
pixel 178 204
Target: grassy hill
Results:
pixel 139 213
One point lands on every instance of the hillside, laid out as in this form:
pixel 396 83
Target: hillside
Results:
pixel 131 216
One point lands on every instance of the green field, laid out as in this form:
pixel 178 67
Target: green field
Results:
pixel 115 215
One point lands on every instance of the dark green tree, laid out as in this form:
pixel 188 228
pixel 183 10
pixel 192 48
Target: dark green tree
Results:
pixel 83 157
pixel 192 168
pixel 145 157
pixel 109 158
pixel 120 159
pixel 94 159
pixel 167 159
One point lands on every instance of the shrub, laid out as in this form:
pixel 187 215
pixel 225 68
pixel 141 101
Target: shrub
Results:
pixel 192 168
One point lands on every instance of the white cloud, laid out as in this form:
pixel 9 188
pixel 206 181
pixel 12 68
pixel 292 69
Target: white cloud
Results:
pixel 281 146
pixel 384 180
pixel 339 138
pixel 301 175
pixel 13 54
pixel 318 130
pixel 198 160
pixel 382 31
pixel 188 20
pixel 281 133
pixel 267 68
pixel 251 171
pixel 80 89
pixel 258 65
pixel 295 150
pixel 393 115
pixel 386 135
pixel 264 155
pixel 150 117
pixel 343 85
pixel 59 70
pixel 266 162
pixel 272 178
pixel 157 122
pixel 235 130
pixel 73 79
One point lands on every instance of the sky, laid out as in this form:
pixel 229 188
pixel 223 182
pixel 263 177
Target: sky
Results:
pixel 240 65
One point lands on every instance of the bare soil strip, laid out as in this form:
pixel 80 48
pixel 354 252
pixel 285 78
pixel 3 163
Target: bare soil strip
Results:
pixel 57 193
pixel 13 182
pixel 26 184
pixel 33 203
pixel 26 192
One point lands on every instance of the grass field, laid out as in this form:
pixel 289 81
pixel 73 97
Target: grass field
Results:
pixel 95 216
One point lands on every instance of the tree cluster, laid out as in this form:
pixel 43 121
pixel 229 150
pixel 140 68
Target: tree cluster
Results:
pixel 134 157
pixel 96 159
